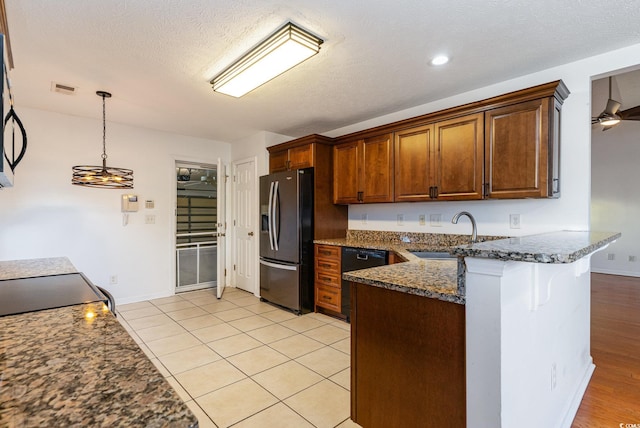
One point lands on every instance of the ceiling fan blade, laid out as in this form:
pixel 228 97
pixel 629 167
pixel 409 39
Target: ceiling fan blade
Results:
pixel 612 107
pixel 632 113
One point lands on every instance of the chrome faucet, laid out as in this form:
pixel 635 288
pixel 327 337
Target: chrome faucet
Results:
pixel 474 228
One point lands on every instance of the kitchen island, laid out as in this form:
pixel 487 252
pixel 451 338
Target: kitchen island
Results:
pixel 514 350
pixel 77 366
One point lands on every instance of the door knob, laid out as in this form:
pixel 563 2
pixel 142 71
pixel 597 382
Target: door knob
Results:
pixel 250 233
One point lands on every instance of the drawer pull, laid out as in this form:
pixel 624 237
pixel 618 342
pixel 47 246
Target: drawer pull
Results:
pixel 326 297
pixel 325 265
pixel 325 278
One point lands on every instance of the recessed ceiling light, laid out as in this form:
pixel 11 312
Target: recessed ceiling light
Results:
pixel 440 60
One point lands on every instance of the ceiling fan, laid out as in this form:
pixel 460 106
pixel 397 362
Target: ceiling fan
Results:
pixel 612 115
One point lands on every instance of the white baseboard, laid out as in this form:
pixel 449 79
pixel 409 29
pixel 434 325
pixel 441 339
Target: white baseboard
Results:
pixel 615 272
pixel 572 410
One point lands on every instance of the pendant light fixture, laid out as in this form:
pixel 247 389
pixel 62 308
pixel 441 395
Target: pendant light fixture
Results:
pixel 104 176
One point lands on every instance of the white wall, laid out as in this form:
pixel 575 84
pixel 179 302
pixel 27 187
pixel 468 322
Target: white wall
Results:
pixel 615 198
pixel 570 212
pixel 43 215
pixel 528 342
pixel 256 145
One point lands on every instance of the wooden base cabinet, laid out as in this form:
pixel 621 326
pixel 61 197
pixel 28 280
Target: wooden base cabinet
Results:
pixel 407 360
pixel 328 280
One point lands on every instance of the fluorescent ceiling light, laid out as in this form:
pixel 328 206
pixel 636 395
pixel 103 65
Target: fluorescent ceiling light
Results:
pixel 284 49
pixel 440 60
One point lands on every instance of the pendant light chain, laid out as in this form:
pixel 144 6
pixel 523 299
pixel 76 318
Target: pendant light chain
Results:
pixel 104 129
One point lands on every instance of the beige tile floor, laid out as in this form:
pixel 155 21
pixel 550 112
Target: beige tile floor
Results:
pixel 243 363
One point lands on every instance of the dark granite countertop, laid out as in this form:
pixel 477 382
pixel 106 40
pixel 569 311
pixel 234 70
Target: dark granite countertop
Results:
pixel 445 279
pixel 77 366
pixel 553 247
pixel 439 279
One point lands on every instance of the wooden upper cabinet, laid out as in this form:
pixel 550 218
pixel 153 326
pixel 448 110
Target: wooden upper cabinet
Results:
pixel 278 161
pixel 345 173
pixel 414 164
pixel 441 161
pixel 376 178
pixel 292 158
pixel 301 157
pixel 522 149
pixel 458 158
pixel 363 171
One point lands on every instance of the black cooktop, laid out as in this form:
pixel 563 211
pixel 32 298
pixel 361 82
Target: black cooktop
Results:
pixel 22 295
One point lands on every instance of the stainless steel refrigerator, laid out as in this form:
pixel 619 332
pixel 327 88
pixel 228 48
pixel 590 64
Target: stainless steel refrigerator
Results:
pixel 286 239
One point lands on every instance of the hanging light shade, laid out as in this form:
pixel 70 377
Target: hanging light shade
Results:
pixel 106 177
pixel 284 49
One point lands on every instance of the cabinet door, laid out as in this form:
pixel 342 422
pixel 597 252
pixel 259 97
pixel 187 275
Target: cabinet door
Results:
pixel 301 157
pixel 517 150
pixel 413 169
pixel 345 173
pixel 376 174
pixel 459 154
pixel 278 161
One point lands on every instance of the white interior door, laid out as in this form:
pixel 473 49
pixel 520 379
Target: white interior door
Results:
pixel 222 228
pixel 245 236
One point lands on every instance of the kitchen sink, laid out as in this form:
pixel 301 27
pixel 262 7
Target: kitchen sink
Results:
pixel 432 254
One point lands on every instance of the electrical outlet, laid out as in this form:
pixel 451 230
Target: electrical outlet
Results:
pixel 421 220
pixel 150 219
pixel 435 220
pixel 364 218
pixel 514 221
pixel 400 219
pixel 632 258
pixel 611 256
pixel 113 279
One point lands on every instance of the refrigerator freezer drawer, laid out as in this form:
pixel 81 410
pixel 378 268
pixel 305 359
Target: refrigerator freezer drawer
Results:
pixel 280 284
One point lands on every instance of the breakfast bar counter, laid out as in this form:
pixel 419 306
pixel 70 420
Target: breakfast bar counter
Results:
pixel 77 366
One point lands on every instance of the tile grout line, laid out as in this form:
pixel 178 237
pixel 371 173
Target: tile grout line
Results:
pixel 303 333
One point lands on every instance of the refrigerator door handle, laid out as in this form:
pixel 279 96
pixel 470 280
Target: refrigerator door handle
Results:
pixel 276 197
pixel 277 266
pixel 269 205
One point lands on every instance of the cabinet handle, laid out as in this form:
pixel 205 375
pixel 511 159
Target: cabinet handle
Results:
pixel 360 194
pixel 485 189
pixel 324 265
pixel 288 164
pixel 326 297
pixel 325 252
pixel 431 192
pixel 435 192
pixel 324 278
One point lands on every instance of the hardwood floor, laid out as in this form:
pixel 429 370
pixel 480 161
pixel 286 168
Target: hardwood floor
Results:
pixel 613 396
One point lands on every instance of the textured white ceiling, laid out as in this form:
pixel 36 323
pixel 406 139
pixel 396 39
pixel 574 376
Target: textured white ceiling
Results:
pixel 157 56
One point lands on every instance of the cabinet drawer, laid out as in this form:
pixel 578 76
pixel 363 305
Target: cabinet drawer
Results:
pixel 327 265
pixel 328 297
pixel 331 251
pixel 328 279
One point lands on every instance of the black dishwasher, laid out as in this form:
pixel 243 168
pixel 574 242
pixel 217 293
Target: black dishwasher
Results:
pixel 356 259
